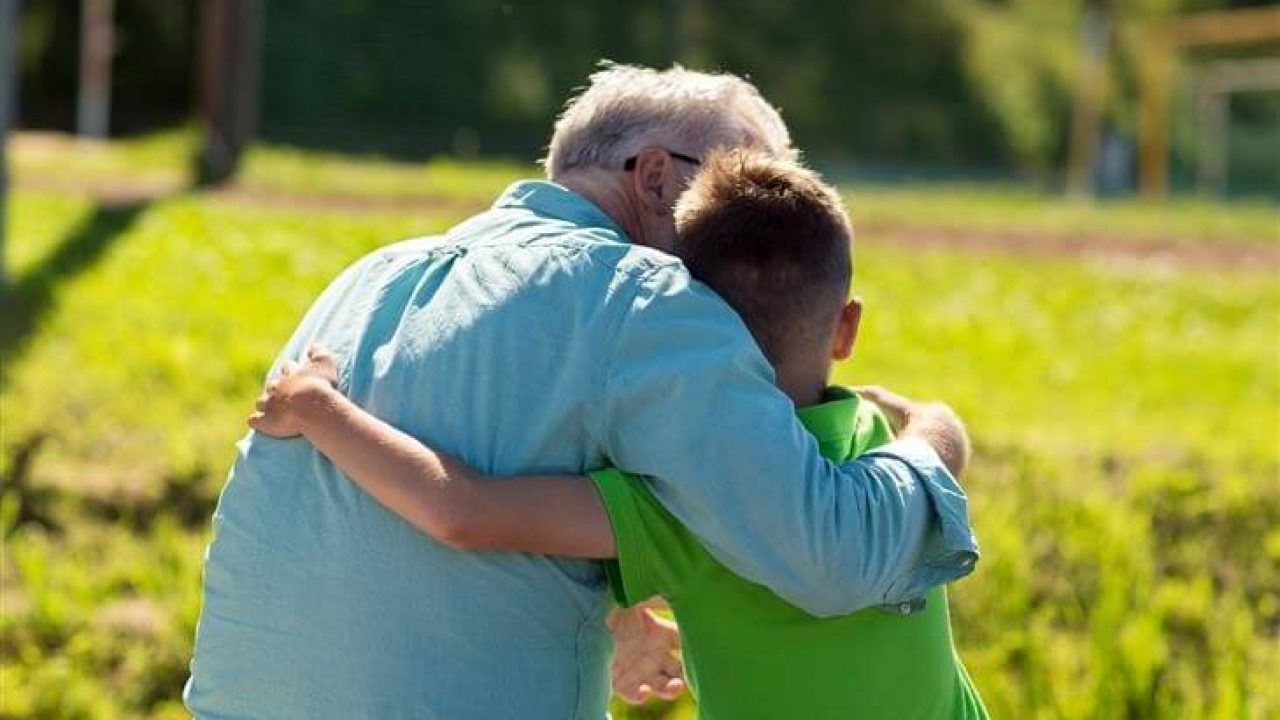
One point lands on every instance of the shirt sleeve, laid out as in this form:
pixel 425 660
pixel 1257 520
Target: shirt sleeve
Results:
pixel 691 404
pixel 656 555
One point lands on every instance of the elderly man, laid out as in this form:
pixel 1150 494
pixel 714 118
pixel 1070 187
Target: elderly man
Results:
pixel 548 334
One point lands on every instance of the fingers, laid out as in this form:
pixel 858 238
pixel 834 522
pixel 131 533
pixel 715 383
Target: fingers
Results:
pixel 897 409
pixel 633 696
pixel 874 393
pixel 655 672
pixel 647 664
pixel 321 361
pixel 318 352
pixel 661 687
pixel 672 690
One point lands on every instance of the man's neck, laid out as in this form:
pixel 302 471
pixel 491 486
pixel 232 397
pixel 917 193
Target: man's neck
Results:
pixel 604 190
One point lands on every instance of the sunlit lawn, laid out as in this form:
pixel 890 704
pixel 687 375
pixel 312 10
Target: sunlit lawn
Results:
pixel 1127 418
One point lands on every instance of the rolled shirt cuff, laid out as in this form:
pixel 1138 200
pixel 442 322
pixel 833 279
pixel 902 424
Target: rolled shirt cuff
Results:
pixel 950 550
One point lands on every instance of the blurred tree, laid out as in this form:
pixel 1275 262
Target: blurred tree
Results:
pixel 940 83
pixel 229 42
pixel 8 78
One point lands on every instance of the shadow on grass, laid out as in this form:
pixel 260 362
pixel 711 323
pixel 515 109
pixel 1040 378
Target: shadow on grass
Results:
pixel 24 302
pixel 32 295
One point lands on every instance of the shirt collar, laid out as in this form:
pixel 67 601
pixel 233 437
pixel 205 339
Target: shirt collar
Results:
pixel 549 199
pixel 832 421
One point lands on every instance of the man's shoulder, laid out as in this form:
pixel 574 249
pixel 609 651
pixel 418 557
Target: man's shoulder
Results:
pixel 604 247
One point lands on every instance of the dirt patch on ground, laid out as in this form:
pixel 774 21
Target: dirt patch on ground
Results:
pixel 1216 253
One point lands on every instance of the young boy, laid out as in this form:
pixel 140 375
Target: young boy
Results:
pixel 774 242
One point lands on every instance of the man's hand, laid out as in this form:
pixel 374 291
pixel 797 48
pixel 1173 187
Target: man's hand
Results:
pixel 932 422
pixel 276 408
pixel 646 664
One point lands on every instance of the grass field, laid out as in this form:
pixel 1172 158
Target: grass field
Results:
pixel 1126 412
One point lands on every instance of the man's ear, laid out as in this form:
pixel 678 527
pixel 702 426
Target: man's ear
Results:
pixel 847 329
pixel 650 181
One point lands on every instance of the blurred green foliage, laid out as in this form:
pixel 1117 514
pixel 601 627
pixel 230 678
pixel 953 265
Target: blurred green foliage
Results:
pixel 971 85
pixel 1126 489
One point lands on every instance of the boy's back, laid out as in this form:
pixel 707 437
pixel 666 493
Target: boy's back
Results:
pixel 749 654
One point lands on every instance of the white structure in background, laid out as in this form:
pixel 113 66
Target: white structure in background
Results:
pixel 97 44
pixel 1162 42
pixel 1213 87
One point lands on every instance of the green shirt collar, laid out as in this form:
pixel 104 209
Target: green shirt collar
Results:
pixel 833 422
pixel 551 200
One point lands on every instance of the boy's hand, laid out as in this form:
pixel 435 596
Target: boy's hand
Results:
pixel 896 408
pixel 646 664
pixel 277 407
pixel 932 422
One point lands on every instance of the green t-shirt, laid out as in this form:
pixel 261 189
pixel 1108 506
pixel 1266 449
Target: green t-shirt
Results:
pixel 749 654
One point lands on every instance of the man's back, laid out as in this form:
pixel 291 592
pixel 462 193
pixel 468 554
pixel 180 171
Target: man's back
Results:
pixel 320 602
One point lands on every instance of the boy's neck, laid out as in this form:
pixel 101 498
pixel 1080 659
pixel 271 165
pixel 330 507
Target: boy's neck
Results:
pixel 805 386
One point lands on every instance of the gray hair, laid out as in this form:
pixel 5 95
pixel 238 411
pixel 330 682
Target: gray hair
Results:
pixel 626 108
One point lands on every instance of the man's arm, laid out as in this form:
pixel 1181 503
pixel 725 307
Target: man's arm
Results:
pixel 691 404
pixel 441 496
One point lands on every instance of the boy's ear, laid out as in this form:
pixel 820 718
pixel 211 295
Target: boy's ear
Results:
pixel 847 329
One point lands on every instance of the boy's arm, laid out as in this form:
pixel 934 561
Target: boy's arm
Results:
pixel 440 495
pixel 460 507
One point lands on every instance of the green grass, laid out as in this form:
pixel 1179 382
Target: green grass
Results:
pixel 1127 486
pixel 162 159
pixel 45 220
pixel 1127 418
pixel 1079 359
pixel 165 158
pixel 1028 214
pixel 440 180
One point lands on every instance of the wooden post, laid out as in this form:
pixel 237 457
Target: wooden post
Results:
pixel 1214 85
pixel 1153 118
pixel 93 104
pixel 228 85
pixel 1160 41
pixel 8 111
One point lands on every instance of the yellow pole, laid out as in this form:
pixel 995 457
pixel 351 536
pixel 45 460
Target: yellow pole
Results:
pixel 1153 118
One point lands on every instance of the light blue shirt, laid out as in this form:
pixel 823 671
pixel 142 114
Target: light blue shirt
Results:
pixel 534 338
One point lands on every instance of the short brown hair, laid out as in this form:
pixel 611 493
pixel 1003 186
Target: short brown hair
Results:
pixel 774 241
